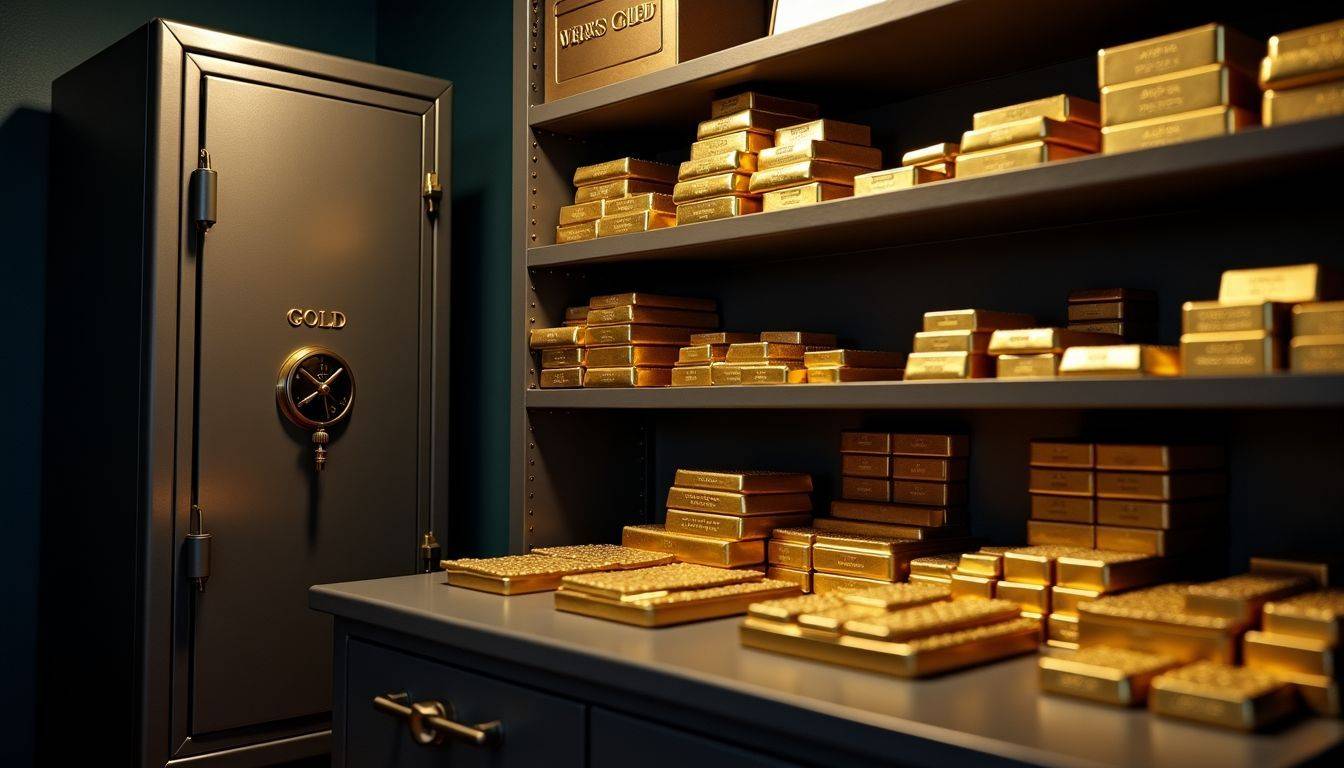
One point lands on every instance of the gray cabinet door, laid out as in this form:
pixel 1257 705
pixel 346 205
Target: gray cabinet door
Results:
pixel 318 208
pixel 538 729
pixel 619 741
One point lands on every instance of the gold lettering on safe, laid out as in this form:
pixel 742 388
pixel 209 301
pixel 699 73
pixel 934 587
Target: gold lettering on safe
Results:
pixel 316 318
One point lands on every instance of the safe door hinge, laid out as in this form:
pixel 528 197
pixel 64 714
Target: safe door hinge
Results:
pixel 432 193
pixel 196 550
pixel 204 191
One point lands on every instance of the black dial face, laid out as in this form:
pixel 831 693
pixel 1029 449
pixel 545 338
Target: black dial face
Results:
pixel 319 388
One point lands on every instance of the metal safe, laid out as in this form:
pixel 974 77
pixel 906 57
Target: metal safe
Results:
pixel 246 385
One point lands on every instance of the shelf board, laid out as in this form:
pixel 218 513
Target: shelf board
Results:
pixel 1064 192
pixel 872 55
pixel 1281 391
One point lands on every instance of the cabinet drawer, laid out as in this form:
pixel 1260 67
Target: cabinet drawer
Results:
pixel 537 729
pixel 619 741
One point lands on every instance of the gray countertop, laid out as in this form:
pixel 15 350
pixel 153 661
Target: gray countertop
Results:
pixel 994 710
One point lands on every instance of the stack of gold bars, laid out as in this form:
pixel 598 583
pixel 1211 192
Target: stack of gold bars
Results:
pixel 1188 85
pixel 542 569
pixel 714 183
pixel 631 339
pixel 669 594
pixel 561 351
pixel 1245 330
pixel 775 358
pixel 694 362
pixel 918 166
pixel 814 162
pixel 617 197
pixel 1029 134
pixel 1318 338
pixel 908 630
pixel 722 519
pixel 903 479
pixel 1128 313
pixel 1039 352
pixel 1303 75
pixel 955 344
pixel 833 366
pixel 1177 645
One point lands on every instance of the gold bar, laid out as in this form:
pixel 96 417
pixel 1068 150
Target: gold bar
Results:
pixel 702 550
pixel 1319 572
pixel 866 442
pixel 832 358
pixel 1225 317
pixel 975 342
pixel 1093 311
pixel 751 120
pixel 562 357
pixel 733 527
pixel 1187 49
pixel 1157 514
pixel 1063 509
pixel 580 213
pixel 1317 354
pixel 1160 486
pixel 1028 597
pixel 925 366
pixel 1038 340
pixel 1239 598
pixel 859 465
pixel 728 162
pixel 920 578
pixel 1121 360
pixel 765 351
pixel 805 194
pixel 1230 354
pixel 615 335
pixel 936 446
pixel 1214 85
pixel 1061 534
pixel 787 610
pixel 564 336
pixel 935 615
pixel 627 356
pixel 513 574
pixel 932 469
pixel 1290 284
pixel 758 373
pixel 1107 571
pixel 829 151
pixel 573 233
pixel 1012 158
pixel 1062 453
pixel 627 223
pixel 1317 615
pixel 609 190
pixel 1151 541
pixel 1298 104
pixel 611 556
pixel 1036 564
pixel 735 503
pixel 832 525
pixel 561 378
pixel 822 340
pixel 937 566
pixel 1322 318
pixel 627 377
pixel 893 179
pixel 718 185
pixel 737 141
pixel 975 320
pixel 652 300
pixel 796 535
pixel 790 554
pixel 1059 107
pixel 1062 627
pixel 1065 482
pixel 1175 129
pixel 933 494
pixel 723 374
pixel 864 489
pixel 895 514
pixel 1159 458
pixel 723 337
pixel 933 154
pixel 702 354
pixel 764 102
pixel 850 373
pixel 623 168
pixel 825 130
pixel 1039 366
pixel 1065 600
pixel 1321 35
pixel 988 564
pixel 749 482
pixel 1154 620
pixel 848 562
pixel 802 172
pixel 677 608
pixel 901 596
pixel 802 579
pixel 826 622
pixel 1306 66
pixel 1223 695
pixel 964 586
pixel 715 208
pixel 1107 675
pixel 829 583
pixel 1064 133
pixel 648 201
pixel 1294 655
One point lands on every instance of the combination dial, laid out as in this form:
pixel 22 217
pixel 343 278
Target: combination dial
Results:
pixel 316 390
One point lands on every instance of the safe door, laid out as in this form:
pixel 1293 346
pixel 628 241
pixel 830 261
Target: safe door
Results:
pixel 305 320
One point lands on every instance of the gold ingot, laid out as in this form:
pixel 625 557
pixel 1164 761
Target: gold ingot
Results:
pixel 580 213
pixel 1178 51
pixel 1066 482
pixel 938 566
pixel 1036 564
pixel 801 579
pixel 920 578
pixel 837 526
pixel 1159 457
pixel 561 378
pixel 765 351
pixel 702 550
pixel 627 356
pixel 732 161
pixel 1328 34
pixel 725 374
pixel 628 376
pixel 562 357
pixel 796 535
pixel 966 586
pixel 718 185
pixel 790 554
pixel 1230 354
pixel 847 562
pixel 1061 627
pixel 702 354
pixel 935 615
pixel 679 608
pixel 1013 157
pixel 723 338
pixel 1175 129
pixel 848 373
pixel 975 342
pixel 932 469
pixel 770 374
pixel 764 102
pixel 1293 655
pixel 1317 615
pixel 807 339
pixel 860 465
pixel 1134 513
pixel 894 179
pixel 1214 85
pixel 825 130
pixel 933 494
pixel 750 120
pixel 736 503
pixel 609 190
pixel 1065 600
pixel 1151 541
pixel 564 336
pixel 787 610
pixel 1290 284
pixel 738 141
pixel 1154 620
pixel 1064 133
pixel 899 596
pixel 1061 534
pixel 802 172
pixel 937 446
pixel 513 574
pixel 1318 571
pixel 714 208
pixel 1219 694
pixel 648 201
pixel 1044 365
pixel 632 333
pixel 1239 598
pixel 866 442
pixel 895 514
pixel 573 233
pixel 627 223
pixel 1059 107
pixel 754 481
pixel 804 194
pixel 1107 571
pixel 986 563
pixel 1121 360
pixel 864 489
pixel 1317 354
pixel 1303 67
pixel 931 155
pixel 732 527
pixel 829 151
pixel 1108 675
pixel 1028 597
pixel 829 583
pixel 1021 341
pixel 975 320
pixel 1321 318
pixel 1226 317
pixel 611 556
pixel 856 358
pixel 1063 509
pixel 1061 453
pixel 1159 486
pixel 624 168
pixel 927 366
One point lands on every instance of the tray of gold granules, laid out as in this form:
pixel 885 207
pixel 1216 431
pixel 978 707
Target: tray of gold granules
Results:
pixel 667 594
pixel 543 568
pixel 907 630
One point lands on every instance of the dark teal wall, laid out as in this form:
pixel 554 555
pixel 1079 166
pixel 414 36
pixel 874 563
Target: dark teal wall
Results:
pixel 40 39
pixel 470 43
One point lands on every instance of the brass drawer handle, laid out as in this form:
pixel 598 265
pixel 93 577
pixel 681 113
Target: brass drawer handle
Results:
pixel 431 722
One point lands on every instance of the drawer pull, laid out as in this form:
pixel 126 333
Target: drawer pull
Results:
pixel 431 722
